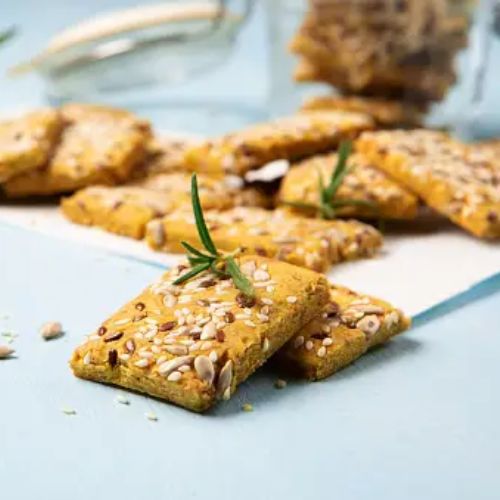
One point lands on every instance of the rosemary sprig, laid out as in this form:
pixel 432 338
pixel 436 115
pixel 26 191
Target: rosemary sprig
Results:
pixel 7 34
pixel 221 264
pixel 328 204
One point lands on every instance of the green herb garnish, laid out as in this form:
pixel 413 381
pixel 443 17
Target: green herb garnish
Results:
pixel 219 263
pixel 7 34
pixel 328 204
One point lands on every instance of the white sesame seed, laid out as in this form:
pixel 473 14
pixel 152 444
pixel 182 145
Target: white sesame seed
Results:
pixel 124 357
pixel 264 318
pixel 178 350
pixel 270 289
pixel 261 275
pixel 169 366
pixel 184 299
pixel 250 323
pixel 68 411
pixel 265 345
pixel 174 376
pixel 185 311
pixel 87 358
pixel 241 316
pixel 151 416
pixel 146 354
pixel 142 363
pixel 321 352
pixel 151 321
pixel 298 341
pixel 280 384
pixel 327 342
pixel 213 356
pixel 267 301
pixel 123 321
pixel 309 345
pixel 122 399
pixel 206 345
pixel 291 299
pixel 184 368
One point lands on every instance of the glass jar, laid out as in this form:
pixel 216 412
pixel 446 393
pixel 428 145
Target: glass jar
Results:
pixel 166 61
pixel 433 56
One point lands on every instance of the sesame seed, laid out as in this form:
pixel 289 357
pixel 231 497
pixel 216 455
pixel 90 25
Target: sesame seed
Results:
pixel 68 411
pixel 151 416
pixel 298 341
pixel 265 345
pixel 123 321
pixel 327 342
pixel 178 350
pixel 267 301
pixel 174 376
pixel 213 356
pixel 250 323
pixel 280 384
pixel 309 345
pixel 321 352
pixel 247 407
pixel 124 357
pixel 122 399
pixel 184 368
pixel 142 363
pixel 87 358
pixel 291 299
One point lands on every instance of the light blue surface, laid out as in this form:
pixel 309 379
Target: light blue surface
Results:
pixel 416 419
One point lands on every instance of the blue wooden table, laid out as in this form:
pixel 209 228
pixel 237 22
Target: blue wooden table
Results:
pixel 415 419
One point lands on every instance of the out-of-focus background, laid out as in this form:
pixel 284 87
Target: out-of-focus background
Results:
pixel 232 75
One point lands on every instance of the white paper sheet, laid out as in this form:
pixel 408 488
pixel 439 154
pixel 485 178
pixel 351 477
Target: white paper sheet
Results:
pixel 417 269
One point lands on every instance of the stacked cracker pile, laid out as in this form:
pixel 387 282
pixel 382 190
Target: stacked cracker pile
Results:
pixel 403 50
pixel 193 343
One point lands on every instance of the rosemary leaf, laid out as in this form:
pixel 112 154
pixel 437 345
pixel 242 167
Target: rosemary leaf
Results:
pixel 195 251
pixel 192 273
pixel 339 172
pixel 200 220
pixel 239 279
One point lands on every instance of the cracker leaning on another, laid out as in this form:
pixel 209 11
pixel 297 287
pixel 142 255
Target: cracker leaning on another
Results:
pixel 442 172
pixel 349 325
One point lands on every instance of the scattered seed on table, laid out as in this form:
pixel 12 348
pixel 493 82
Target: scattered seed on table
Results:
pixel 122 399
pixel 247 407
pixel 51 330
pixel 6 351
pixel 151 416
pixel 280 384
pixel 68 411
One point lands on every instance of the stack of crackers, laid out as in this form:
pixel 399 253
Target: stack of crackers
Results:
pixel 193 343
pixel 403 50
